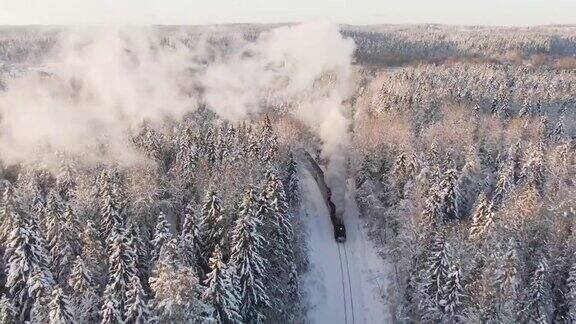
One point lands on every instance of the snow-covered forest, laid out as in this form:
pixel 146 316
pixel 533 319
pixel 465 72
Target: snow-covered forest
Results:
pixel 154 176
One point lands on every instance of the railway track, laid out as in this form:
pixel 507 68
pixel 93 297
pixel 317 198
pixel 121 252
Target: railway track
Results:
pixel 345 268
pixel 346 282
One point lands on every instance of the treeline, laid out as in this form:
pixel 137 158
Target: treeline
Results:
pixel 204 232
pixel 397 44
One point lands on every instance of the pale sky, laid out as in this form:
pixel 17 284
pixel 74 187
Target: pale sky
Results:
pixel 189 12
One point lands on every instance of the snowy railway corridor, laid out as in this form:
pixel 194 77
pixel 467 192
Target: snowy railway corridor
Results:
pixel 346 281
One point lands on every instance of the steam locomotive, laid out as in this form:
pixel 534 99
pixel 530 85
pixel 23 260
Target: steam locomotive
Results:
pixel 339 229
pixel 337 223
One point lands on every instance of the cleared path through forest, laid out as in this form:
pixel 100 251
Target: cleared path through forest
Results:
pixel 346 281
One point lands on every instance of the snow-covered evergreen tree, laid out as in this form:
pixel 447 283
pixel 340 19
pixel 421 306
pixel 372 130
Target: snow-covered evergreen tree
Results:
pixel 112 203
pixel 60 235
pixel 212 223
pixel 539 307
pixel 7 311
pixel 221 291
pixel 60 312
pixel 177 291
pixel 433 213
pixel 7 212
pixel 291 183
pixel 190 238
pixel 434 277
pixel 84 293
pixel 92 251
pixel 28 275
pixel 247 257
pixel 482 218
pixel 452 292
pixel 121 265
pixel 506 281
pixel 451 195
pixel 571 293
pixel 533 168
pixel 401 172
pixel 136 308
pixel 162 234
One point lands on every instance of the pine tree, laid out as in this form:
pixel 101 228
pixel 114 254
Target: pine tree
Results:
pixel 504 184
pixel 39 289
pixel 279 222
pixel 247 257
pixel 65 181
pixel 162 234
pixel 221 292
pixel 482 218
pixel 136 308
pixel 365 172
pixel 80 280
pixel 60 312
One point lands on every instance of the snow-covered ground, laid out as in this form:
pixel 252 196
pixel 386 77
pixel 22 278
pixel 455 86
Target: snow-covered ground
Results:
pixel 346 282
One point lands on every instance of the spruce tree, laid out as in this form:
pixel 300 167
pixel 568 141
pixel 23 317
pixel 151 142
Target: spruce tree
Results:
pixel 248 258
pixel 538 306
pixel 136 308
pixel 7 212
pixel 60 312
pixel 221 291
pixel 571 293
pixel 176 290
pixel 291 184
pixel 452 293
pixel 112 203
pixel 212 223
pixel 162 234
pixel 482 218
pixel 401 173
pixel 7 311
pixel 190 237
pixel 84 292
pixel 61 239
pixel 28 275
pixel 451 195
pixel 121 269
pixel 93 252
pixel 434 277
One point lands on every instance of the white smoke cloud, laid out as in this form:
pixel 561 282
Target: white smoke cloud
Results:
pixel 104 82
